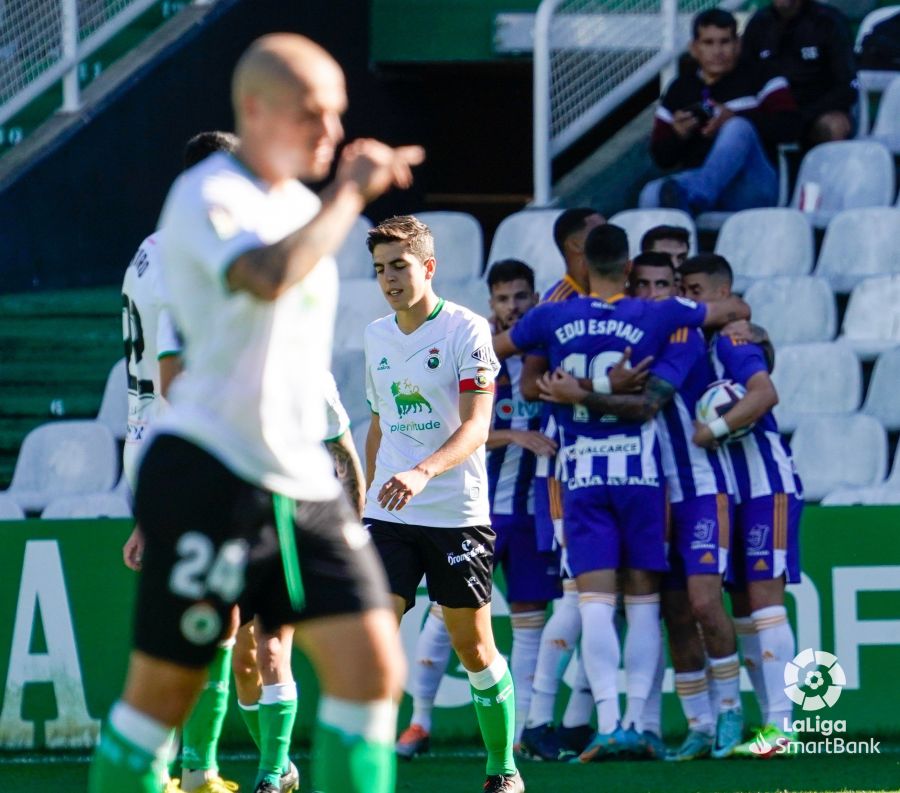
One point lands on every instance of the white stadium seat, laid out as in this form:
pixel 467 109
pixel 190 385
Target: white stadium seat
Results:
pixel 888 492
pixel 882 398
pixel 473 294
pixel 860 243
pixel 886 129
pixel 92 505
pixel 761 243
pixel 528 235
pixel 349 370
pixel 61 459
pixel 794 310
pixel 871 19
pixel 813 379
pixel 839 451
pixel 360 302
pixel 353 258
pixel 872 321
pixel 849 174
pixel 114 405
pixel 9 509
pixel 638 222
pixel 458 245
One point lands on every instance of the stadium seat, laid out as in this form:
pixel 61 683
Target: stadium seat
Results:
pixel 458 245
pixel 882 399
pixel 871 19
pixel 353 258
pixel 888 492
pixel 839 451
pixel 528 235
pixel 349 369
pixel 849 174
pixel 92 505
pixel 886 129
pixel 794 310
pixel 872 322
pixel 638 222
pixel 854 9
pixel 64 458
pixel 859 243
pixel 114 405
pixel 760 243
pixel 813 379
pixel 473 294
pixel 9 509
pixel 359 433
pixel 360 302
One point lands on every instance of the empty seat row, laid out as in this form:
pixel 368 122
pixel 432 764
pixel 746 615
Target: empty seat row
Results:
pixel 802 309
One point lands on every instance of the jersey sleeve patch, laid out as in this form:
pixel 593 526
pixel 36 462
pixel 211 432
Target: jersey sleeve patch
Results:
pixel 481 383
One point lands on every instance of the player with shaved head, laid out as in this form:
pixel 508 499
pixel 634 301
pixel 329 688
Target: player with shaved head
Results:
pixel 236 496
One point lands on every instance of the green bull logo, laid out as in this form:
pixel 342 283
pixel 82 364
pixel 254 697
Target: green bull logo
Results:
pixel 408 398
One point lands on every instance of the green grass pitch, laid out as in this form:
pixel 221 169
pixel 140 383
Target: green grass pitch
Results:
pixel 461 772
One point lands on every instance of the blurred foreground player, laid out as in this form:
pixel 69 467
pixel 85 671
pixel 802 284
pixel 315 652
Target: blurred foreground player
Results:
pixel 430 371
pixel 236 479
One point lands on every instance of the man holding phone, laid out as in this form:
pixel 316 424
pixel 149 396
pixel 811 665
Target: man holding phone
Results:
pixel 722 124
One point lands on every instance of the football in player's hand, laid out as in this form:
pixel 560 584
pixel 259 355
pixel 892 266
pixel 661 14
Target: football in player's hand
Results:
pixel 716 401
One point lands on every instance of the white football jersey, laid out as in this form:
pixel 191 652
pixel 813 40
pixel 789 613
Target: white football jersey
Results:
pixel 252 392
pixel 413 383
pixel 149 335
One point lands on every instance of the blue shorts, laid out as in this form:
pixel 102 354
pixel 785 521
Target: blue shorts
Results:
pixel 766 540
pixel 531 574
pixel 700 535
pixel 615 526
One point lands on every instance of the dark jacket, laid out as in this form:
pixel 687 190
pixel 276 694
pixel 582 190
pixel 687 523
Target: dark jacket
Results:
pixel 749 91
pixel 814 51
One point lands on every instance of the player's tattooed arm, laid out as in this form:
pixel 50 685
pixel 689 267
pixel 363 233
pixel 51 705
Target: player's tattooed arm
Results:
pixel 348 470
pixel 562 388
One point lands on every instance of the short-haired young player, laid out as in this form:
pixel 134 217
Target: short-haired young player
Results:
pixel 430 372
pixel 613 500
pixel 768 504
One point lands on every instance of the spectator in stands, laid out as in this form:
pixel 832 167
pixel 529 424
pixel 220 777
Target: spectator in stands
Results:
pixel 810 44
pixel 722 124
pixel 674 241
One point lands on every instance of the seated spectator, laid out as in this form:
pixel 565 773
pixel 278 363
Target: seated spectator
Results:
pixel 809 43
pixel 674 241
pixel 722 124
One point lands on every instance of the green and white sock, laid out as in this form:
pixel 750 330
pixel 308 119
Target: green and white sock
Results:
pixel 200 735
pixel 495 707
pixel 277 713
pixel 250 715
pixel 132 754
pixel 353 748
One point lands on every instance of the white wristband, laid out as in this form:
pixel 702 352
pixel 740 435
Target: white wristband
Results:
pixel 719 427
pixel 602 385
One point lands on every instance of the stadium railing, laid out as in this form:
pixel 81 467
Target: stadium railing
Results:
pixel 42 43
pixel 589 57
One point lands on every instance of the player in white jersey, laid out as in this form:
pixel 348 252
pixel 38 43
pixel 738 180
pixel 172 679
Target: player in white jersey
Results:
pixel 235 479
pixel 430 370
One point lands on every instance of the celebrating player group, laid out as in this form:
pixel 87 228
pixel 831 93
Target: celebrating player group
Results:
pixel 557 439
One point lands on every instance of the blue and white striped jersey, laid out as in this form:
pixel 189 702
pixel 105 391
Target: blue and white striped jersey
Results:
pixel 511 468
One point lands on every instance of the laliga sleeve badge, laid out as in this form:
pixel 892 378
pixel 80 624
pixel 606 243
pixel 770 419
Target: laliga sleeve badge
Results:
pixel 483 378
pixel 433 359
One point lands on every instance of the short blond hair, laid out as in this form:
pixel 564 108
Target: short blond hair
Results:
pixel 407 229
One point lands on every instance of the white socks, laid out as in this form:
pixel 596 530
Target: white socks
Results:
pixel 776 642
pixel 693 692
pixel 642 648
pixel 526 642
pixel 375 721
pixel 748 643
pixel 557 644
pixel 725 674
pixel 600 645
pixel 432 654
pixel 653 708
pixel 580 706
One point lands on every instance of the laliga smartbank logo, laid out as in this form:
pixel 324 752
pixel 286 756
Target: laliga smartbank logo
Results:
pixel 813 680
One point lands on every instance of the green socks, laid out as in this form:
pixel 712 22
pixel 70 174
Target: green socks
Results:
pixel 495 707
pixel 132 754
pixel 353 748
pixel 200 735
pixel 277 713
pixel 250 715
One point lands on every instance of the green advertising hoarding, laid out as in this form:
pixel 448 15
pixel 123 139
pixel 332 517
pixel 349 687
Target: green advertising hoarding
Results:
pixel 66 600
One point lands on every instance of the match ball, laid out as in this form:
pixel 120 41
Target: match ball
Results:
pixel 717 400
